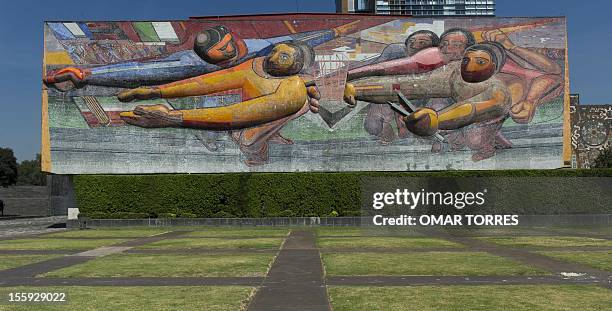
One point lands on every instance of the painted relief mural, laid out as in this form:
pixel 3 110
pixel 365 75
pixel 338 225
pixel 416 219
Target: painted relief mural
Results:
pixel 304 93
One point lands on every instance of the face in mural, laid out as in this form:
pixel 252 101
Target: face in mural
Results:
pixel 216 45
pixel 477 66
pixel 454 42
pixel 420 40
pixel 284 59
pixel 481 62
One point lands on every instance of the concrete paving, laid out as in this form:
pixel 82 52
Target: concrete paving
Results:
pixel 460 280
pixel 15 228
pixel 296 279
pixel 137 281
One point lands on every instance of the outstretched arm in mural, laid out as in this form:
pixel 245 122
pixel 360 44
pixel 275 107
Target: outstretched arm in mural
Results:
pixel 489 105
pixel 214 49
pixel 424 61
pixel 381 89
pixel 529 88
pixel 271 87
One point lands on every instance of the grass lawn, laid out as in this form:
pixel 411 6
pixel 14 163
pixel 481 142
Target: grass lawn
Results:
pixel 239 232
pixel 107 298
pixel 429 263
pixel 43 244
pixel 215 243
pixel 384 242
pixel 495 231
pixel 13 261
pixel 508 297
pixel 111 233
pixel 596 230
pixel 599 260
pixel 140 265
pixel 547 241
pixel 364 231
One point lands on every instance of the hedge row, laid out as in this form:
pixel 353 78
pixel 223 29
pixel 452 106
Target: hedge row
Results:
pixel 251 195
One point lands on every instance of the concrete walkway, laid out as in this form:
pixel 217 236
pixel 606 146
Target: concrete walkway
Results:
pixel 296 280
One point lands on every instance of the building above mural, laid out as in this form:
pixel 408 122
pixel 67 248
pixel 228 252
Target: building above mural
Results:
pixel 304 93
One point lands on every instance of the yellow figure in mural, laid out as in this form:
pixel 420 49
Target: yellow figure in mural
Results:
pixel 272 90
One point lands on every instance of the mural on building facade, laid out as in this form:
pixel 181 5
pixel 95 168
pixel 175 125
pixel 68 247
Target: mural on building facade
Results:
pixel 304 93
pixel 591 131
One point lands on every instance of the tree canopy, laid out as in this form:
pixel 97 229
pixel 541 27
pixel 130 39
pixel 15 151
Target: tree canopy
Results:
pixel 8 167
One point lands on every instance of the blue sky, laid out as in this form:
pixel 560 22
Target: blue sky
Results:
pixel 589 26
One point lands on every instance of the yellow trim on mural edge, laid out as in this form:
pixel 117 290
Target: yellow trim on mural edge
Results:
pixel 567 133
pixel 45 146
pixel 45 136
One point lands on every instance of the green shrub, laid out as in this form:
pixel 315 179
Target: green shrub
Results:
pixel 186 215
pixel 257 194
pixel 223 214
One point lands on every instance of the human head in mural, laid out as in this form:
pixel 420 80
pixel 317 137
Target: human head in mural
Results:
pixel 420 40
pixel 288 58
pixel 482 61
pixel 454 41
pixel 217 45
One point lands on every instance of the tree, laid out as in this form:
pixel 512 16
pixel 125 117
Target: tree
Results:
pixel 604 159
pixel 30 173
pixel 8 167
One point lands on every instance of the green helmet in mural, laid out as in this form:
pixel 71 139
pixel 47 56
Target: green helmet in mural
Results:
pixel 216 45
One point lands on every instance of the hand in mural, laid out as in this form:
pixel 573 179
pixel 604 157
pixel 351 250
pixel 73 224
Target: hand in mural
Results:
pixel 422 122
pixel 313 98
pixel 498 36
pixel 73 75
pixel 154 116
pixel 141 93
pixel 523 111
pixel 350 94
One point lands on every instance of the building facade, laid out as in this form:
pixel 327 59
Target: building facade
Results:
pixel 418 7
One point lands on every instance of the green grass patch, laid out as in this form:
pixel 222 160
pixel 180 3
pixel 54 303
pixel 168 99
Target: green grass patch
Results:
pixel 239 232
pixel 485 298
pixel 428 263
pixel 112 298
pixel 44 244
pixel 116 232
pixel 600 260
pixel 215 243
pixel 13 261
pixel 595 230
pixel 547 241
pixel 364 231
pixel 495 231
pixel 141 265
pixel 384 242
